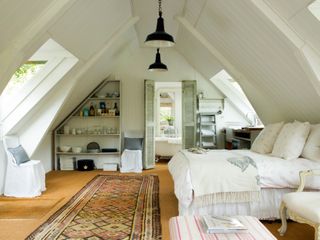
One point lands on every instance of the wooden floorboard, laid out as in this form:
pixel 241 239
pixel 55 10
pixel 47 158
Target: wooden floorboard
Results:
pixel 62 185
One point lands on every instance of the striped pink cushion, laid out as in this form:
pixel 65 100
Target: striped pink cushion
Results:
pixel 191 228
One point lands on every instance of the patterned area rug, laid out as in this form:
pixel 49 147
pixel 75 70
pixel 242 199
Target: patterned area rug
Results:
pixel 109 207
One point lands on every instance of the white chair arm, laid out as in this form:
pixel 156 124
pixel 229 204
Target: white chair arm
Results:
pixel 304 174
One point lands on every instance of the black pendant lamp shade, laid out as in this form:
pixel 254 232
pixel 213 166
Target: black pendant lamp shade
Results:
pixel 159 38
pixel 158 65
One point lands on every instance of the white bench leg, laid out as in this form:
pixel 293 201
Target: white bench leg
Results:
pixel 283 214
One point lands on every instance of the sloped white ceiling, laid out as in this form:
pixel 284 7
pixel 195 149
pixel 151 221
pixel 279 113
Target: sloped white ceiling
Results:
pixel 300 19
pixel 264 56
pixel 288 9
pixel 271 74
pixel 89 24
pixel 95 74
pixel 16 15
pixel 196 54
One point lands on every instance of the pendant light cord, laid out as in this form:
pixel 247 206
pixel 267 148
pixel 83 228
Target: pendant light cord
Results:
pixel 160 8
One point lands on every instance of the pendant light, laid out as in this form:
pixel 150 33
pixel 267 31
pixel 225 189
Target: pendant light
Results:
pixel 159 38
pixel 158 65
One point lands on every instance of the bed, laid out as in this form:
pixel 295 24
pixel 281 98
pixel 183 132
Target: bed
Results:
pixel 277 177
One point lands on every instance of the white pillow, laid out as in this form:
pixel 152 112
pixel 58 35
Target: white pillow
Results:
pixel 291 140
pixel 312 148
pixel 265 140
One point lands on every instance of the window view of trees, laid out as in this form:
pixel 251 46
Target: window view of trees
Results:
pixel 23 74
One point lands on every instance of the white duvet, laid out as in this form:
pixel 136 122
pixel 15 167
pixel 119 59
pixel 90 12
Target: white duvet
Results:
pixel 274 173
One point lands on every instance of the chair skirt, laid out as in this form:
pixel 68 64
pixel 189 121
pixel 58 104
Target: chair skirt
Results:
pixel 131 161
pixel 26 180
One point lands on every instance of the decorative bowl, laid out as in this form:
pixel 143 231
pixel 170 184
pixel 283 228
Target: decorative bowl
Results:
pixel 76 149
pixel 93 150
pixel 65 148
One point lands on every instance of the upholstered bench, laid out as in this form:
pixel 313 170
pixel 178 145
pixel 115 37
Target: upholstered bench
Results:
pixel 191 228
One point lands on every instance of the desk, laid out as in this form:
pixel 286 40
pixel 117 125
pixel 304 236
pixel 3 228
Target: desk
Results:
pixel 241 138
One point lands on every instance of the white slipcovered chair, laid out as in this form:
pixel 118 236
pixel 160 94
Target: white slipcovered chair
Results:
pixel 131 157
pixel 26 179
pixel 302 207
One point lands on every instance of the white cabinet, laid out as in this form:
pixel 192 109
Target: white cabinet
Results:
pixel 97 119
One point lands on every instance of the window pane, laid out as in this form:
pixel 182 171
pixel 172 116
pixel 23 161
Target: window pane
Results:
pixel 23 74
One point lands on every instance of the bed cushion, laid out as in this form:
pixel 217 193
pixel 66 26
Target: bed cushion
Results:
pixel 265 140
pixel 312 148
pixel 291 140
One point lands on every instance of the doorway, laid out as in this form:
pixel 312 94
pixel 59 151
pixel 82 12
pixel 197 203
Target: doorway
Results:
pixel 168 116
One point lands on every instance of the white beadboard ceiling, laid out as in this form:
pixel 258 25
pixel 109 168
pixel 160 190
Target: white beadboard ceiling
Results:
pixel 263 59
pixel 264 56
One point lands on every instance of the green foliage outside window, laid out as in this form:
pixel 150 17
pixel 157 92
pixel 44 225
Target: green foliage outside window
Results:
pixel 29 67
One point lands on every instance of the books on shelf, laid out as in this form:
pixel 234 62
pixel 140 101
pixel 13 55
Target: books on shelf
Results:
pixel 221 224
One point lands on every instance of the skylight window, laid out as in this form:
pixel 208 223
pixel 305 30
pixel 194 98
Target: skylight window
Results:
pixel 23 74
pixel 314 8
pixel 37 76
pixel 235 94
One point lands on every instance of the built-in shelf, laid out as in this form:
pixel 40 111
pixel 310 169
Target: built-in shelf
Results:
pixel 207 123
pixel 104 130
pixel 90 117
pixel 87 135
pixel 86 153
pixel 106 99
pixel 208 135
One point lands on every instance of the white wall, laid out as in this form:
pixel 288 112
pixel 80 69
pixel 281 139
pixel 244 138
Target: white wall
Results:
pixel 43 152
pixel 132 71
pixel 3 166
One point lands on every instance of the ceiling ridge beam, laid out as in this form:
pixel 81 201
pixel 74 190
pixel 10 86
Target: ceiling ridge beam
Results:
pixel 280 23
pixel 301 45
pixel 200 13
pixel 284 26
pixel 12 56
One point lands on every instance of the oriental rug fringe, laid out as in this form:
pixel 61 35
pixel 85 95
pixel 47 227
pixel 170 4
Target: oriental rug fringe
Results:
pixel 108 207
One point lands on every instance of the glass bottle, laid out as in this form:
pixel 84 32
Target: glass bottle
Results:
pixel 92 111
pixel 117 112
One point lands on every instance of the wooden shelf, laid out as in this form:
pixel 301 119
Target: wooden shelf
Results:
pixel 207 123
pixel 88 135
pixel 107 99
pixel 86 153
pixel 91 117
pixel 92 127
pixel 242 138
pixel 208 135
